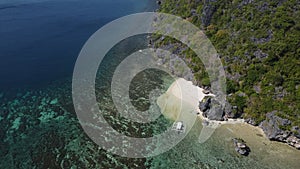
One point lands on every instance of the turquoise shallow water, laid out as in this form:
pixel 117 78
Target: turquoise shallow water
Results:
pixel 39 128
pixel 218 152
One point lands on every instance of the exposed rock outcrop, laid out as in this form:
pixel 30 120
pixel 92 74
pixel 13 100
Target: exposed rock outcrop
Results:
pixel 204 105
pixel 293 141
pixel 208 10
pixel 251 121
pixel 212 109
pixel 215 113
pixel 296 131
pixel 260 54
pixel 241 147
pixel 274 128
pixel 228 110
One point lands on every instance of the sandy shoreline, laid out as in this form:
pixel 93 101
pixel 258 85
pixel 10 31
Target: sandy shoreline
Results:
pixel 182 97
pixel 187 92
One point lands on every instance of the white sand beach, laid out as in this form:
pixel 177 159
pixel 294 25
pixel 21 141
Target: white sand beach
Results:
pixel 183 91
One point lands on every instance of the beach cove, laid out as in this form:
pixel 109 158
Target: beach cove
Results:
pixel 218 150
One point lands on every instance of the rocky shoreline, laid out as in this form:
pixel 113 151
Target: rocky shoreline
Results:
pixel 274 127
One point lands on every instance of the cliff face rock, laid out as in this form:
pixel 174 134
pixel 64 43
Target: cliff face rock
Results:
pixel 273 125
pixel 212 109
pixel 204 105
pixel 296 131
pixel 260 55
pixel 294 141
pixel 208 10
pixel 245 2
pixel 228 110
pixel 173 62
pixel 263 39
pixel 215 113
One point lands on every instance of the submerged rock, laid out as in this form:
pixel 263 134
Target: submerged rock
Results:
pixel 241 147
pixel 54 101
pixel 205 123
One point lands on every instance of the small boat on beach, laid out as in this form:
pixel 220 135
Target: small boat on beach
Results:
pixel 178 126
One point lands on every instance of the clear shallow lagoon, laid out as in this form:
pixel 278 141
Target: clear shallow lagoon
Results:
pixel 40 41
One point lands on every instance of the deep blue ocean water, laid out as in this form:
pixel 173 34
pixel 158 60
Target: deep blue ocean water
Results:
pixel 41 39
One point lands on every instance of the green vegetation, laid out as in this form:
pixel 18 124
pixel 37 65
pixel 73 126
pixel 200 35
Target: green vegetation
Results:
pixel 259 43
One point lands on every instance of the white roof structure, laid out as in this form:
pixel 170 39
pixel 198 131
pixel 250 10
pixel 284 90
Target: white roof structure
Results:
pixel 179 127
